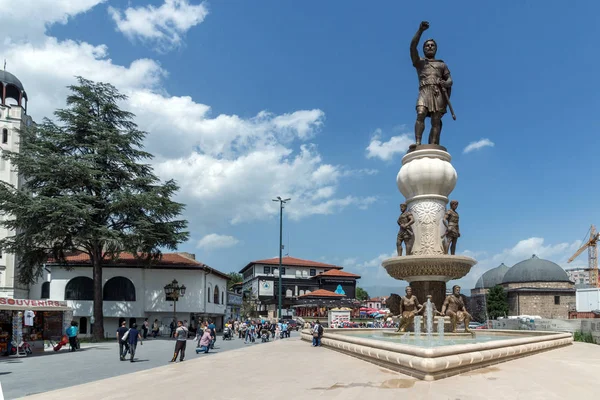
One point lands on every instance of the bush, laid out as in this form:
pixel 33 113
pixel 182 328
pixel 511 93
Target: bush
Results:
pixel 583 337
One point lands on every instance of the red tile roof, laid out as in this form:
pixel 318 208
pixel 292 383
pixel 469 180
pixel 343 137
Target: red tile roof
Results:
pixel 322 293
pixel 338 273
pixel 172 260
pixel 291 261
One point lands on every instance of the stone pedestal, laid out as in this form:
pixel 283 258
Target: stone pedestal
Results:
pixel 426 179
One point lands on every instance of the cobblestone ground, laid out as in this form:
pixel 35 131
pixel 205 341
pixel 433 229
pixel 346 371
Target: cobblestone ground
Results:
pixel 48 371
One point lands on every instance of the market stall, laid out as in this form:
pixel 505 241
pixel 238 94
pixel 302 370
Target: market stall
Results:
pixel 27 324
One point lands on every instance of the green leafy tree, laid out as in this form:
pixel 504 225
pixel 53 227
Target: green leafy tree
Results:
pixel 361 294
pixel 86 188
pixel 234 278
pixel 497 303
pixel 248 308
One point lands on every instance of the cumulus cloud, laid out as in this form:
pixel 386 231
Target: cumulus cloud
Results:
pixel 480 144
pixel 27 20
pixel 215 241
pixel 163 26
pixel 387 150
pixel 228 167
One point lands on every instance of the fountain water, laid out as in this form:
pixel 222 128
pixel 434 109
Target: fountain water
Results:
pixel 440 328
pixel 429 316
pixel 417 324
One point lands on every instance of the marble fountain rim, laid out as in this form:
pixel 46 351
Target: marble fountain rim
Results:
pixel 442 362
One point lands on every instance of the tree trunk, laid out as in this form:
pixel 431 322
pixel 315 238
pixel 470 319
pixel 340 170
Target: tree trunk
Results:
pixel 98 333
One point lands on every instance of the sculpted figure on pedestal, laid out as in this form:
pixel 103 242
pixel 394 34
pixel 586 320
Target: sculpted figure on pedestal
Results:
pixel 409 307
pixel 452 230
pixel 405 235
pixel 435 84
pixel 454 307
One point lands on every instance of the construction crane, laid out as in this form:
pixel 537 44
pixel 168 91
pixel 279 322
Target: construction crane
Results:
pixel 592 246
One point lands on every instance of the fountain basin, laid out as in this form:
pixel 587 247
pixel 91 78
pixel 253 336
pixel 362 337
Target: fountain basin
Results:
pixel 428 267
pixel 432 363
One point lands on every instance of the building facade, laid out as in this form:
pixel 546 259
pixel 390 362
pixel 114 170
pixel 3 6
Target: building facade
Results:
pixel 579 276
pixel 299 278
pixel 133 292
pixel 13 117
pixel 539 287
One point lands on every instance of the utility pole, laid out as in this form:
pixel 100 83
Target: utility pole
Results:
pixel 281 203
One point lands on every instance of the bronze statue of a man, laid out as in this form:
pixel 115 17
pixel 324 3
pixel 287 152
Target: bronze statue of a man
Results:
pixel 452 230
pixel 409 307
pixel 435 84
pixel 405 234
pixel 454 307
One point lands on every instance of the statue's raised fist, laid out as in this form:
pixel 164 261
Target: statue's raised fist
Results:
pixel 424 26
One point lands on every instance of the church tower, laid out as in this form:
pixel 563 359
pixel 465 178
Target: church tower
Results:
pixel 13 117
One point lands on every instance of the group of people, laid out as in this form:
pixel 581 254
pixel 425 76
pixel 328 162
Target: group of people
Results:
pixel 250 330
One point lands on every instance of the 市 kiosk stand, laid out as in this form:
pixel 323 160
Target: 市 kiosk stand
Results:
pixel 27 324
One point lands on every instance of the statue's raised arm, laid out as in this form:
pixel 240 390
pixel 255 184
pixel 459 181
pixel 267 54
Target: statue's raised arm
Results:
pixel 414 53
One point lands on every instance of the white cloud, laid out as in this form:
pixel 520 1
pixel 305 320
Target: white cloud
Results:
pixel 164 26
pixel 27 20
pixel 387 150
pixel 480 144
pixel 215 241
pixel 229 168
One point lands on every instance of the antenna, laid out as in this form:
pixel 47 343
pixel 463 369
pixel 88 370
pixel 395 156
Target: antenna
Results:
pixel 5 65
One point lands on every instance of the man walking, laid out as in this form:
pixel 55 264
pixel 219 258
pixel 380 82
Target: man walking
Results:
pixel 123 345
pixel 133 337
pixel 181 335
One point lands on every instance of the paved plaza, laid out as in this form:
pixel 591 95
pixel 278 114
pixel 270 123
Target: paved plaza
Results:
pixel 49 371
pixel 299 371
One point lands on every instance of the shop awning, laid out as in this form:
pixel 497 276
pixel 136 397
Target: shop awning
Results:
pixel 7 303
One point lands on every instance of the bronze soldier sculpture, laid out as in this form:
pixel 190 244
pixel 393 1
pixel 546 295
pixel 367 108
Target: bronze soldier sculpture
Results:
pixel 409 307
pixel 452 230
pixel 435 84
pixel 454 307
pixel 405 234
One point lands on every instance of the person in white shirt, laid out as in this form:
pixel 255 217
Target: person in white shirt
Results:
pixel 181 335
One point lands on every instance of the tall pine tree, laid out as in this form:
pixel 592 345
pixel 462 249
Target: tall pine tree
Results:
pixel 85 188
pixel 497 303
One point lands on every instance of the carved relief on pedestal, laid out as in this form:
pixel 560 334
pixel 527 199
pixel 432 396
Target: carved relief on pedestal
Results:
pixel 428 215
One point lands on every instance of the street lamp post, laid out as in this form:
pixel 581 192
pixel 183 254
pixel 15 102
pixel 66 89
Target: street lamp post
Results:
pixel 281 203
pixel 174 291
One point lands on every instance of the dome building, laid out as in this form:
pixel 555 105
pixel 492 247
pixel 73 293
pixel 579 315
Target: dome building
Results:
pixel 538 287
pixel 488 280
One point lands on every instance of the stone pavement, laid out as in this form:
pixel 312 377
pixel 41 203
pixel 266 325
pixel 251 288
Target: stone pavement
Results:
pixel 294 369
pixel 49 371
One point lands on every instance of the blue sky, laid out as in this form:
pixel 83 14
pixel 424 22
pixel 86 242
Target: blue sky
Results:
pixel 244 101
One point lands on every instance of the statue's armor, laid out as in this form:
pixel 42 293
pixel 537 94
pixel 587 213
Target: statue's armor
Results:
pixel 430 72
pixel 452 218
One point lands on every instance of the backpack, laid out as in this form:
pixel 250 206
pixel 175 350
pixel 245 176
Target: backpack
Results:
pixel 320 329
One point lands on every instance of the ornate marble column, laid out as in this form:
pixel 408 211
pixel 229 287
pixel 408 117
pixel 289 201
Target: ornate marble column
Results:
pixel 426 179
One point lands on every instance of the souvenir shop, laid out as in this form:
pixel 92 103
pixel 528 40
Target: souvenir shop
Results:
pixel 26 325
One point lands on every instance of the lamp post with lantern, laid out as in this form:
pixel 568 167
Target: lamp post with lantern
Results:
pixel 174 291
